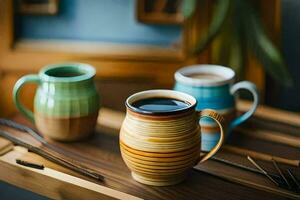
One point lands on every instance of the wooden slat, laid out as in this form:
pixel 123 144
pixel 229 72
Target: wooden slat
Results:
pixel 110 118
pixel 272 136
pixel 271 113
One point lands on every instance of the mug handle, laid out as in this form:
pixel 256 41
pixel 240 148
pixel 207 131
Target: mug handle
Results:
pixel 19 84
pixel 219 119
pixel 251 87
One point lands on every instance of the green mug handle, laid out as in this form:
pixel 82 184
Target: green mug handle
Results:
pixel 33 78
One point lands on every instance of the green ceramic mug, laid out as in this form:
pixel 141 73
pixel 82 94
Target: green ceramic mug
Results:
pixel 66 102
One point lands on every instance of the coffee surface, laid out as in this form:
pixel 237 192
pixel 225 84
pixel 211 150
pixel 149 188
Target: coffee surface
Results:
pixel 160 104
pixel 206 76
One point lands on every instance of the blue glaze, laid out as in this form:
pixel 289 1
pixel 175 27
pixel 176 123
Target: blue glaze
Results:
pixel 211 137
pixel 217 97
pixel 208 140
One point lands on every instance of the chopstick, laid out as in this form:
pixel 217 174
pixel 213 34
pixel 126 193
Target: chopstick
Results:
pixel 262 170
pixel 241 166
pixel 281 174
pixel 293 178
pixel 30 164
pixel 66 162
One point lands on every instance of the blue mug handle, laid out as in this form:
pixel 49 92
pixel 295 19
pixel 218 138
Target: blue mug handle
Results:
pixel 251 87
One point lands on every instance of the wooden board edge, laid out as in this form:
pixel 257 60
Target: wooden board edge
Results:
pixel 99 50
pixel 58 185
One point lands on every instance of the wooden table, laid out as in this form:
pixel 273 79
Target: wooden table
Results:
pixel 60 183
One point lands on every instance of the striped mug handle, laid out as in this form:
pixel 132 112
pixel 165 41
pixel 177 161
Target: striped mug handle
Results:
pixel 251 87
pixel 219 119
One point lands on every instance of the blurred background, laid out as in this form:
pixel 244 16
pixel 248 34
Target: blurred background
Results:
pixel 139 44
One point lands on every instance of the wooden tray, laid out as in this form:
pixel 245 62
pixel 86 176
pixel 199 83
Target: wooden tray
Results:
pixel 101 152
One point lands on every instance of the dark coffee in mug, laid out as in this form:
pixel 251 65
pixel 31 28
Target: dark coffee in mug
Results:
pixel 159 104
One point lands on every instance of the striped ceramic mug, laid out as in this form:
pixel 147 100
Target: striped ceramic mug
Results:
pixel 160 145
pixel 66 102
pixel 212 86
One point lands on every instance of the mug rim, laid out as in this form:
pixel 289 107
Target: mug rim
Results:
pixel 228 74
pixel 89 72
pixel 161 93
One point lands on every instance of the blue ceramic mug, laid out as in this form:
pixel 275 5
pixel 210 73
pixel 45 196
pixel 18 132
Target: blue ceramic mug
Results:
pixel 213 87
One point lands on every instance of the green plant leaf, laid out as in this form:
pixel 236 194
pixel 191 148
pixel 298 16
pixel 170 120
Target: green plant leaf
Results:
pixel 188 8
pixel 231 51
pixel 220 13
pixel 238 45
pixel 236 57
pixel 230 48
pixel 265 50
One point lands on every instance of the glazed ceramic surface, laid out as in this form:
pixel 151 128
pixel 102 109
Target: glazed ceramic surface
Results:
pixel 159 147
pixel 215 92
pixel 66 103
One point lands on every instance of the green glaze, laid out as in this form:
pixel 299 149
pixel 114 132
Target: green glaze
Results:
pixel 64 91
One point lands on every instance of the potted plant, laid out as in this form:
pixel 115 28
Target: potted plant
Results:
pixel 239 26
